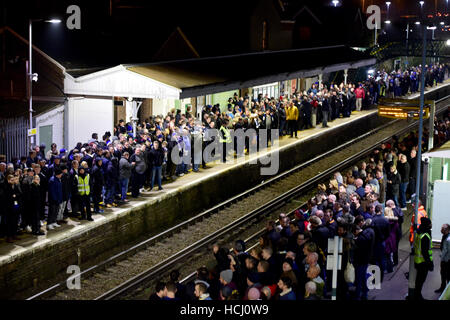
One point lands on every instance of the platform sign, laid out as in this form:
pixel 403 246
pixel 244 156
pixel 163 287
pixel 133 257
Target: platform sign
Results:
pixel 403 109
pixel 32 132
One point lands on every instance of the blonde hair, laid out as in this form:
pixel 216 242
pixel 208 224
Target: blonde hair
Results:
pixel 388 212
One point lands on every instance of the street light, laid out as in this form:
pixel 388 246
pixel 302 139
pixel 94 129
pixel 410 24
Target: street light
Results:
pixel 448 42
pixel 417 22
pixel 30 75
pixel 388 22
pixel 421 4
pixel 388 3
pixel 335 2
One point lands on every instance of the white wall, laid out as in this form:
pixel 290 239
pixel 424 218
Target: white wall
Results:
pixel 119 82
pixel 86 116
pixel 55 118
pixel 162 106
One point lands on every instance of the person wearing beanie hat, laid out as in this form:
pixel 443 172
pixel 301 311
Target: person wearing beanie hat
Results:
pixel 226 276
pixel 254 294
pixel 226 280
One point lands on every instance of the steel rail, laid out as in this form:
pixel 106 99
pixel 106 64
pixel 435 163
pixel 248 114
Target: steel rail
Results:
pixel 175 229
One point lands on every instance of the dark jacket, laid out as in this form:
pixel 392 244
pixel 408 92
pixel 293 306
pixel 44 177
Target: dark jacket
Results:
pixel 66 183
pixel 156 157
pixel 141 165
pixel 124 169
pixel 97 178
pixel 55 193
pixel 11 194
pixel 112 174
pixel 320 237
pixel 394 236
pixel 363 248
pixel 381 227
pixel 403 170
pixel 394 187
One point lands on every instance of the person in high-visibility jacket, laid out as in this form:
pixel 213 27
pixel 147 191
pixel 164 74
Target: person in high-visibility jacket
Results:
pixel 84 190
pixel 225 138
pixel 423 256
pixel 421 214
pixel 292 118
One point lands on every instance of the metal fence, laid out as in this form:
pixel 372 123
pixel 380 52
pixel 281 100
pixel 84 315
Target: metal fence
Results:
pixel 13 137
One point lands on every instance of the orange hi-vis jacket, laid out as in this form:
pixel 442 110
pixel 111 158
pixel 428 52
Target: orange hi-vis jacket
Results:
pixel 422 213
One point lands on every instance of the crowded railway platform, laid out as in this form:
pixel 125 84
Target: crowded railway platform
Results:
pixel 74 228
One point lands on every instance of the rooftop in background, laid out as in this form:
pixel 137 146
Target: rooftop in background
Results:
pixel 209 75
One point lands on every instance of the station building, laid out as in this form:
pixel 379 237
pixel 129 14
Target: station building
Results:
pixel 71 103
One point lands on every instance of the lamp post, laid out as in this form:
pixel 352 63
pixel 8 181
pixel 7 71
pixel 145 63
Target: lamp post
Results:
pixel 412 270
pixel 30 75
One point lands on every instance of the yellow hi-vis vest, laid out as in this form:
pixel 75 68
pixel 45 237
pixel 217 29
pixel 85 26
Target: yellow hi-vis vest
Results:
pixel 226 135
pixel 83 186
pixel 418 257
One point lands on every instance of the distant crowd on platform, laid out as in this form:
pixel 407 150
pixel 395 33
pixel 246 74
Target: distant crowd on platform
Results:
pixel 48 186
pixel 365 206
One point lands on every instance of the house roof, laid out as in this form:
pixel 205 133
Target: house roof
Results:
pixel 202 76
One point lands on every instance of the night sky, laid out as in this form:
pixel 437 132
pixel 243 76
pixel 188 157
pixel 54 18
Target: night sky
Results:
pixel 131 31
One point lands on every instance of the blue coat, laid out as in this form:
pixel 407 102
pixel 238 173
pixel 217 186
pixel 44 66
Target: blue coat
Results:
pixel 55 193
pixel 112 175
pixel 289 296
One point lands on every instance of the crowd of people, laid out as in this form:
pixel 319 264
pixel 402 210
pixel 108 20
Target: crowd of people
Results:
pixel 365 207
pixel 47 187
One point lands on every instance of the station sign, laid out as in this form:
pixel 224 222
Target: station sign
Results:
pixel 403 109
pixel 32 132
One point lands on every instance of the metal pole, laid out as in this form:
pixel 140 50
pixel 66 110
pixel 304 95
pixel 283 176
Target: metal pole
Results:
pixel 431 126
pixel 407 38
pixel 30 78
pixel 412 270
pixel 375 41
pixel 335 267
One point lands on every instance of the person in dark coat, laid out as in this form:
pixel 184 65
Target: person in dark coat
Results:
pixel 35 199
pixel 423 256
pixel 325 110
pixel 13 206
pixel 66 182
pixel 393 185
pixel 138 171
pixel 363 247
pixel 55 198
pixel 74 199
pixel 381 227
pixel 98 182
pixel 391 247
pixel 43 187
pixel 306 111
pixel 403 169
pixel 320 233
pixel 111 180
pixel 156 161
pixel 25 186
pixel 124 175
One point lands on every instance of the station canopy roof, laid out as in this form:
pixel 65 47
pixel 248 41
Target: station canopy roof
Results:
pixel 441 152
pixel 202 76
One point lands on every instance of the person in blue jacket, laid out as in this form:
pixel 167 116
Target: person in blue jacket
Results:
pixel 55 198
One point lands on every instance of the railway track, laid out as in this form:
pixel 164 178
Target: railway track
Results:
pixel 134 268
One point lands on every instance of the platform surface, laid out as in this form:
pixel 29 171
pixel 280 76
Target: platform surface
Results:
pixel 27 242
